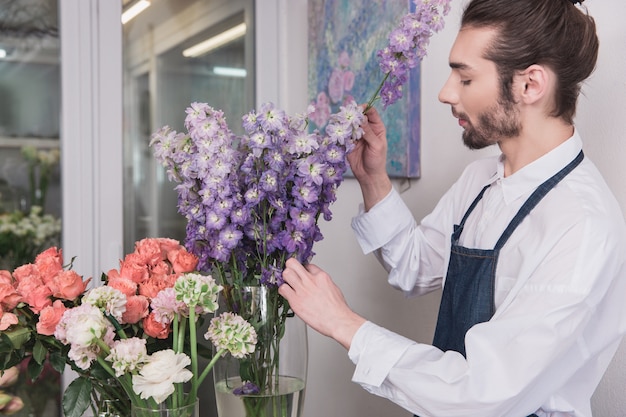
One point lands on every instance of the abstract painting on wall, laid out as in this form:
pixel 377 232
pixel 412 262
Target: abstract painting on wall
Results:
pixel 344 37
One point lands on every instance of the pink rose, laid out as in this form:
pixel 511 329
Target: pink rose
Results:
pixel 182 261
pixel 126 286
pixel 136 309
pixel 9 297
pixel 155 329
pixel 38 298
pixel 68 285
pixel 149 251
pixel 7 320
pixel 134 268
pixel 49 263
pixel 26 271
pixel 5 277
pixel 50 317
pixel 168 245
pixel 160 269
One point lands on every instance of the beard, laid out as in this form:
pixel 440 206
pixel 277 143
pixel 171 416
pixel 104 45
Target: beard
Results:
pixel 499 122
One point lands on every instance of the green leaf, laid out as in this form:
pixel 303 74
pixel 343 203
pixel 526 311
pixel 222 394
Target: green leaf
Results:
pixel 39 352
pixel 57 360
pixel 77 397
pixel 34 369
pixel 17 337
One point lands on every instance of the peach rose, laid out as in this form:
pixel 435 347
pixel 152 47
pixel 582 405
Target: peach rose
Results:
pixel 68 285
pixel 5 277
pixel 37 298
pixel 49 263
pixel 155 329
pixel 160 269
pixel 168 244
pixel 9 297
pixel 50 317
pixel 149 251
pixel 132 267
pixel 136 309
pixel 26 271
pixel 182 261
pixel 7 320
pixel 126 286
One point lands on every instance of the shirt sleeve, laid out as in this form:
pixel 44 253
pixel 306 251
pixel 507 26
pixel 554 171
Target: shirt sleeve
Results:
pixel 413 255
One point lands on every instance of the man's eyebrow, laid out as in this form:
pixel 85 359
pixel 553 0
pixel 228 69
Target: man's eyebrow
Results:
pixel 459 66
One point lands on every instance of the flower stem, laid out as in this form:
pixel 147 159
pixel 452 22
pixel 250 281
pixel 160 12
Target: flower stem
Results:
pixel 376 96
pixel 208 368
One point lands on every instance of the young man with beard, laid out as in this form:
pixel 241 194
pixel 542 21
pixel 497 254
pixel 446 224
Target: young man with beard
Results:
pixel 528 246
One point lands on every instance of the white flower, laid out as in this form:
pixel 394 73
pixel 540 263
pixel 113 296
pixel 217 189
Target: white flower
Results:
pixel 127 355
pixel 162 370
pixel 81 326
pixel 230 331
pixel 108 299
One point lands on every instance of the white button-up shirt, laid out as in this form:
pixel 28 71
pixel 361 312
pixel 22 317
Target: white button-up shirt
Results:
pixel 559 294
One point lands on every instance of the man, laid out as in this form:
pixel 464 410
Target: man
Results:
pixel 529 246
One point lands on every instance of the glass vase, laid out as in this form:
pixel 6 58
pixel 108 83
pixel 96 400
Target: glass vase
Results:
pixel 163 410
pixel 270 382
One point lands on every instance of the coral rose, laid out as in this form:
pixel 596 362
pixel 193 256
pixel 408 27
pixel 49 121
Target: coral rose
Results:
pixel 38 298
pixel 149 251
pixel 155 329
pixel 49 264
pixel 126 286
pixel 68 285
pixel 168 244
pixel 26 271
pixel 50 317
pixel 7 320
pixel 136 309
pixel 9 297
pixel 5 277
pixel 133 268
pixel 182 261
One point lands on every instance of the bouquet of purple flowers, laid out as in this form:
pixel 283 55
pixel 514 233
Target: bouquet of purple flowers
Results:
pixel 253 201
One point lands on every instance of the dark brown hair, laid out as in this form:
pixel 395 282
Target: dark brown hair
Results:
pixel 555 33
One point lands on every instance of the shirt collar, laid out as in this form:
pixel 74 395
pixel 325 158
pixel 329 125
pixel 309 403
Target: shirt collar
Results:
pixel 534 174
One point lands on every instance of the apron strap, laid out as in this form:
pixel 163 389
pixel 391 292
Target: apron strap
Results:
pixel 535 197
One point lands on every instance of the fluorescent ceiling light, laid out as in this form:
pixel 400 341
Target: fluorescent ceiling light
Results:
pixel 134 10
pixel 3 53
pixel 216 41
pixel 230 71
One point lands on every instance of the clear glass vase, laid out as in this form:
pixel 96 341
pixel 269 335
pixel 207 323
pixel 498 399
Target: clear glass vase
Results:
pixel 271 382
pixel 163 410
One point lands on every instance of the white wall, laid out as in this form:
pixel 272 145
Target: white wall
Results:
pixel 601 119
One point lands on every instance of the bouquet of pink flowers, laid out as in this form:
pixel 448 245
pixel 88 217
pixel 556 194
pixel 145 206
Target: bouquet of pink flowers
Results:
pixel 132 338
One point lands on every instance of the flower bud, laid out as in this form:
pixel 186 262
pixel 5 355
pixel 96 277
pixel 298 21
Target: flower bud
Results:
pixel 9 376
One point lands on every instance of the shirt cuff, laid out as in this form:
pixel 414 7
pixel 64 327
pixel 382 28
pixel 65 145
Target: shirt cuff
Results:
pixel 382 222
pixel 375 351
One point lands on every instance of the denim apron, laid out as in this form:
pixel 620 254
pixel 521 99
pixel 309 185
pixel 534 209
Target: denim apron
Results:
pixel 468 293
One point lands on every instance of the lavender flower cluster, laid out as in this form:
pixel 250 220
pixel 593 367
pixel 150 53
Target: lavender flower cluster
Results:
pixel 253 201
pixel 407 46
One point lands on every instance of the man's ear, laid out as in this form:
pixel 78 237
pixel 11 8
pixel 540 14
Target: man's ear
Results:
pixel 534 84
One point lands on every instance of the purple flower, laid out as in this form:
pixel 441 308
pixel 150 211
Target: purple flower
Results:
pixel 248 388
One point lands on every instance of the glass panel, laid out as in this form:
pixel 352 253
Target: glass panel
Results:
pixel 162 79
pixel 30 195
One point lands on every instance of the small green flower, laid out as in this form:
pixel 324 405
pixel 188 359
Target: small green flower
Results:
pixel 230 331
pixel 196 290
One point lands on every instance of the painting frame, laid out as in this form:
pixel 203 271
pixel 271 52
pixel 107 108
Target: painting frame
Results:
pixel 343 41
